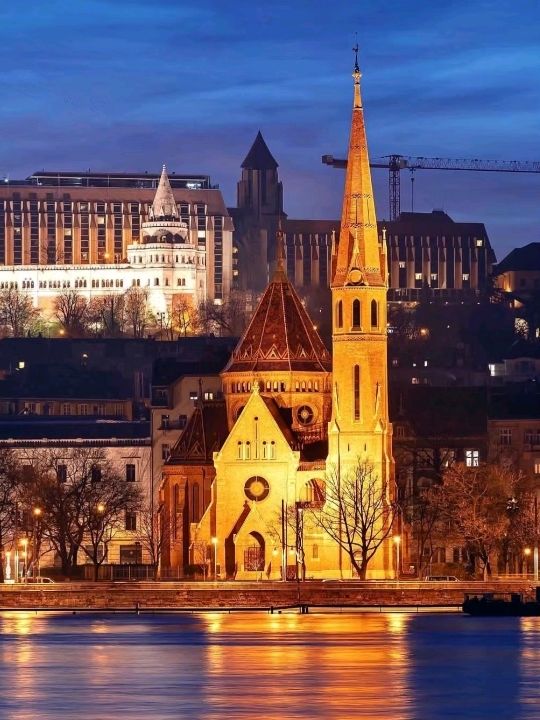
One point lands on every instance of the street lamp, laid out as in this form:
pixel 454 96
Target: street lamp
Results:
pixel 527 553
pixel 397 543
pixel 24 543
pixel 214 543
pixel 36 512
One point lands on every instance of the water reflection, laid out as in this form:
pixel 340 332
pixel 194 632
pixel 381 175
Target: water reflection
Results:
pixel 253 665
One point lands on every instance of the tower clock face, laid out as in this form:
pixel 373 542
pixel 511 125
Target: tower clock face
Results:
pixel 256 488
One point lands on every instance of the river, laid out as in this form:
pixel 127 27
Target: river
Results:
pixel 270 667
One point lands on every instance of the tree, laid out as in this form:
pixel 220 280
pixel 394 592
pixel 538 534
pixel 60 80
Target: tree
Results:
pixel 8 501
pixel 17 313
pixel 71 311
pixel 423 512
pixel 356 513
pixel 477 508
pixel 107 314
pixel 153 533
pixel 137 312
pixel 107 499
pixel 184 318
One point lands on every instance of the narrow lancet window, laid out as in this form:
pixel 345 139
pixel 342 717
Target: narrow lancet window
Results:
pixel 339 314
pixel 356 314
pixel 374 314
pixel 356 383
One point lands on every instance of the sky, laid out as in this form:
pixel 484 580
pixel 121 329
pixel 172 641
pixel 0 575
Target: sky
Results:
pixel 124 85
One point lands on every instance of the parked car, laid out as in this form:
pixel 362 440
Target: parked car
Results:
pixel 39 579
pixel 441 578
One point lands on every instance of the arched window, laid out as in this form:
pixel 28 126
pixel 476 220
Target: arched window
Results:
pixel 247 455
pixel 356 314
pixel 265 450
pixel 374 314
pixel 272 450
pixel 195 510
pixel 339 314
pixel 239 453
pixel 356 392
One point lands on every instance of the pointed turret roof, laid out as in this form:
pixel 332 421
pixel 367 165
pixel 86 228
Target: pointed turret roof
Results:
pixel 204 434
pixel 259 157
pixel 281 335
pixel 358 248
pixel 164 205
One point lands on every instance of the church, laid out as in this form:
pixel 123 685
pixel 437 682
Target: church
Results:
pixel 243 485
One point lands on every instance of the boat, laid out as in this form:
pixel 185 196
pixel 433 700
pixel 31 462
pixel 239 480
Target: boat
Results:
pixel 501 604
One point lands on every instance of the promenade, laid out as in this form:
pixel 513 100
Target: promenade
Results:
pixel 176 596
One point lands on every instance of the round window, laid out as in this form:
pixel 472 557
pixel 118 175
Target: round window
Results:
pixel 256 488
pixel 304 415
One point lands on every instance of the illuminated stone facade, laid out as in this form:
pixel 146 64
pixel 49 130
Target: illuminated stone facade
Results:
pixel 289 421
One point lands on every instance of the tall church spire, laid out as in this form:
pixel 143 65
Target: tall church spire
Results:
pixel 358 255
pixel 164 205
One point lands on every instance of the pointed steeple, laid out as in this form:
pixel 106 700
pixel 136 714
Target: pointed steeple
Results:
pixel 358 261
pixel 259 157
pixel 164 205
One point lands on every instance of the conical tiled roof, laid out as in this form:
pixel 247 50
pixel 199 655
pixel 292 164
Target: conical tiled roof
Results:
pixel 281 335
pixel 164 205
pixel 259 157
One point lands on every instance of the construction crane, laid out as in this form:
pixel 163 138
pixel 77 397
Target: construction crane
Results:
pixel 396 163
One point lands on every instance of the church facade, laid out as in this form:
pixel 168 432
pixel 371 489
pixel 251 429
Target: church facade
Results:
pixel 251 473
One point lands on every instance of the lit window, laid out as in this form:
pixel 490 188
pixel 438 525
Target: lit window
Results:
pixel 465 276
pixel 402 265
pixel 472 458
pixel 505 436
pixel 537 466
pixel 418 276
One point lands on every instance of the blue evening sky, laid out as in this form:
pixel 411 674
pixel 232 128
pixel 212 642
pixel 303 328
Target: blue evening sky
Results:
pixel 130 84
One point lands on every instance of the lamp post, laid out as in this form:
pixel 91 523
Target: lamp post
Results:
pixel 24 543
pixel 214 543
pixel 397 543
pixel 526 554
pixel 36 512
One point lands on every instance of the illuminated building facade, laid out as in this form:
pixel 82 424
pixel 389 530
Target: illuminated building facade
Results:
pixel 108 233
pixel 240 482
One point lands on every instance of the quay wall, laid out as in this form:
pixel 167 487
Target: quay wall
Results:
pixel 238 596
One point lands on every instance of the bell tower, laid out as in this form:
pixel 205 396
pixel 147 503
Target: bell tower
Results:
pixel 360 428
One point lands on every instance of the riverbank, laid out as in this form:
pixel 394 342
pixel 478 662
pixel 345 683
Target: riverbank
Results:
pixel 256 596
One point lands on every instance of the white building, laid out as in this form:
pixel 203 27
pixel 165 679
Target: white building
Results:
pixel 167 260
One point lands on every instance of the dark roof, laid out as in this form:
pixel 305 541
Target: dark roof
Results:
pixel 38 427
pixel 280 336
pixel 311 226
pixel 440 411
pixel 522 349
pixel 204 434
pixel 259 157
pixel 211 361
pixel 523 258
pixel 65 381
pixel 437 222
pixel 518 401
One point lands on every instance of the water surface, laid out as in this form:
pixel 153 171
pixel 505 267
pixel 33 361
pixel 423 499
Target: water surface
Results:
pixel 332 666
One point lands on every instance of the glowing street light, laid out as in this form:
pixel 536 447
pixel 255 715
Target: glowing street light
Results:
pixel 24 543
pixel 397 542
pixel 36 512
pixel 214 543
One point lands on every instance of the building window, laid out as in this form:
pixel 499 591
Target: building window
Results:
pixel 195 502
pixel 95 473
pixel 193 395
pixel 247 454
pixel 472 458
pixel 240 450
pixel 314 552
pixel 208 395
pixel 131 521
pixel 165 451
pixel 61 473
pixel 339 314
pixel 505 436
pixel 130 472
pixel 356 391
pixel 356 314
pixel 374 314
pixel 537 466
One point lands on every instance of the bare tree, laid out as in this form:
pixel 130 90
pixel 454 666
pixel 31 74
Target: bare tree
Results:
pixel 137 311
pixel 17 314
pixel 184 317
pixel 8 501
pixel 153 533
pixel 71 311
pixel 107 314
pixel 476 506
pixel 356 513
pixel 105 503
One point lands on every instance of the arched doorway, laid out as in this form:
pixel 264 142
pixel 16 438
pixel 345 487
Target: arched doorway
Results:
pixel 254 553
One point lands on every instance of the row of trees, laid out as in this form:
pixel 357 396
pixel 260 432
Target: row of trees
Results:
pixel 490 511
pixel 73 501
pixel 121 314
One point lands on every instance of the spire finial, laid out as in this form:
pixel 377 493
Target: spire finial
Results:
pixel 280 250
pixel 355 51
pixel 356 75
